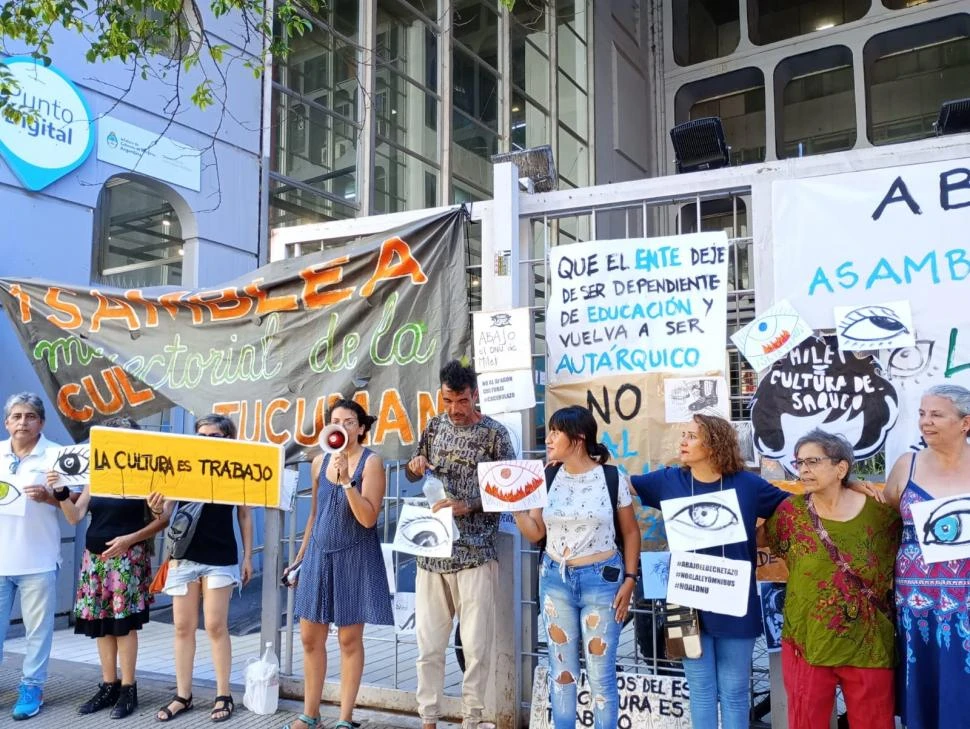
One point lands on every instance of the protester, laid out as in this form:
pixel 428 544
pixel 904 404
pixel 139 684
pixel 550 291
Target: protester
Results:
pixel 711 462
pixel 838 630
pixel 208 573
pixel 341 578
pixel 113 594
pixel 451 447
pixel 30 543
pixel 932 599
pixel 585 583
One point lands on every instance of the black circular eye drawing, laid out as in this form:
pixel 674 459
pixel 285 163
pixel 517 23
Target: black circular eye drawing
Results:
pixel 424 531
pixel 8 493
pixel 706 516
pixel 72 462
pixel 872 324
pixel 911 361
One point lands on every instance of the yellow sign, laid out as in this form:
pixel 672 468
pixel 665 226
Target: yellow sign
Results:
pixel 133 463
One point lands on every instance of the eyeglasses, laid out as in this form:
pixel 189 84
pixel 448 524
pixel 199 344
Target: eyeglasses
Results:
pixel 345 423
pixel 809 463
pixel 15 463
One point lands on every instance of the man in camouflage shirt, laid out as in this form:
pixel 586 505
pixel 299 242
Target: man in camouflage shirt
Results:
pixel 451 447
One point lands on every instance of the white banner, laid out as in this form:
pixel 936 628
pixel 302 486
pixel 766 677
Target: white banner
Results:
pixel 863 238
pixel 646 702
pixel 640 305
pixel 709 583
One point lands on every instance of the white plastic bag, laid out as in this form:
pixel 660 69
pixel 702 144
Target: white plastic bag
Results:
pixel 263 683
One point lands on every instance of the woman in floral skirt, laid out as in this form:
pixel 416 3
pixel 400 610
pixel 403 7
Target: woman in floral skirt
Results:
pixel 113 593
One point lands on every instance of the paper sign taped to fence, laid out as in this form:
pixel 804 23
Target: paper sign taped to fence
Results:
pixel 133 463
pixel 503 340
pixel 646 702
pixel 715 584
pixel 505 392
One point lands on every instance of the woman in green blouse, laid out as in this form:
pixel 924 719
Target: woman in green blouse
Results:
pixel 840 548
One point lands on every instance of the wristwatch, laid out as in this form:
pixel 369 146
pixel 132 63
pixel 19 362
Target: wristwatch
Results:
pixel 348 486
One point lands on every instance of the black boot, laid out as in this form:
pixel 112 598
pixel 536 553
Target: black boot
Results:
pixel 107 696
pixel 127 702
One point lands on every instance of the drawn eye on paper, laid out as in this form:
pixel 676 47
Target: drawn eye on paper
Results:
pixel 949 524
pixel 879 326
pixel 704 520
pixel 8 493
pixel 707 515
pixel 72 463
pixel 512 485
pixel 425 531
pixel 906 362
pixel 772 335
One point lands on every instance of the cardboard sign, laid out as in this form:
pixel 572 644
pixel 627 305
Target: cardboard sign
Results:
pixel 646 702
pixel 704 520
pixel 133 463
pixel 512 485
pixel 942 528
pixel 503 340
pixel 715 584
pixel 505 392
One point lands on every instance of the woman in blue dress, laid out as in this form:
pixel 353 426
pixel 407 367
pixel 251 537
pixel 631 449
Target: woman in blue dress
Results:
pixel 341 579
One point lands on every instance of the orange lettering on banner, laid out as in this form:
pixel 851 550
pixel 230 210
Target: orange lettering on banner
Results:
pixel 170 302
pixel 135 296
pixel 301 436
pixel 133 396
pixel 266 304
pixel 228 408
pixel 393 418
pixel 73 311
pixel 388 268
pixel 110 308
pixel 224 305
pixel 257 420
pixel 24 299
pixel 280 404
pixel 428 407
pixel 323 275
pixel 64 395
pixel 105 407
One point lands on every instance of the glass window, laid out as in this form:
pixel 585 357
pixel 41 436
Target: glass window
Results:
pixel 402 181
pixel 817 104
pixel 572 53
pixel 138 237
pixel 472 151
pixel 738 98
pixel 475 89
pixel 902 4
pixel 907 85
pixel 406 114
pixel 705 29
pixel 407 44
pixel 530 123
pixel 573 160
pixel 770 21
pixel 530 64
pixel 573 107
pixel 475 26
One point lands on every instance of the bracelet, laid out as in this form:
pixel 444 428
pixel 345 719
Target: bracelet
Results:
pixel 629 576
pixel 62 493
pixel 156 513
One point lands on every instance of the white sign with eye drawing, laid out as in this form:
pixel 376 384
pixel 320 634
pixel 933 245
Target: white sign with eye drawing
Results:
pixel 512 485
pixel 880 326
pixel 943 528
pixel 72 464
pixel 705 520
pixel 13 500
pixel 424 533
pixel 709 583
pixel 772 335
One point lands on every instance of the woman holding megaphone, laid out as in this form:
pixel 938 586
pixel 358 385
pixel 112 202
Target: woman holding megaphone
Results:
pixel 340 570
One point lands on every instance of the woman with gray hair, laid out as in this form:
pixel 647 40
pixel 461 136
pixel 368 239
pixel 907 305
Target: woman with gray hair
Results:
pixel 838 622
pixel 931 599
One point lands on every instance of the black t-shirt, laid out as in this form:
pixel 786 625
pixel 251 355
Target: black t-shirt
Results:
pixel 112 518
pixel 214 541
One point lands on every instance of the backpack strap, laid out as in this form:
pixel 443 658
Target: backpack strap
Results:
pixel 612 474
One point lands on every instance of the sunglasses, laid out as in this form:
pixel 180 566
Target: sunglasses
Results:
pixel 212 435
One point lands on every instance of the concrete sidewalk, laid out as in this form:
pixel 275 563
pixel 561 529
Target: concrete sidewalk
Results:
pixel 70 684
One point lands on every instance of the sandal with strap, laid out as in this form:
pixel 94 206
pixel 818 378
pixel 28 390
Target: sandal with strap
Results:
pixel 311 723
pixel 168 713
pixel 226 709
pixel 345 725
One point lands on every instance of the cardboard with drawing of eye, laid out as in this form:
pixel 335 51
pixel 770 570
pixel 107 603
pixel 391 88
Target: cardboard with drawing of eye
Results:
pixel 943 528
pixel 771 335
pixel 72 463
pixel 12 499
pixel 512 485
pixel 705 520
pixel 424 533
pixel 878 326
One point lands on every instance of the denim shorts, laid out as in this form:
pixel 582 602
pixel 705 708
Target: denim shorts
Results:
pixel 182 572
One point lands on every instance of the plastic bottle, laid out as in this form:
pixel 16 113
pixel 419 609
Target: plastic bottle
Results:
pixel 434 489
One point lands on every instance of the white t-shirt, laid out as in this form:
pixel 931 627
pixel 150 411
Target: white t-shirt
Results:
pixel 31 543
pixel 579 516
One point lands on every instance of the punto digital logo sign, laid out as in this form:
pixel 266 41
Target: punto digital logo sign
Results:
pixel 55 134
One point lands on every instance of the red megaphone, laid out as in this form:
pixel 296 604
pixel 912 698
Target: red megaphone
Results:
pixel 333 439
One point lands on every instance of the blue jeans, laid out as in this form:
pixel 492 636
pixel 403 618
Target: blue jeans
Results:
pixel 37 595
pixel 579 615
pixel 722 673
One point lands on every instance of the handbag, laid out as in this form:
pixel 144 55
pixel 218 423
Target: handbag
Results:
pixel 881 604
pixel 181 529
pixel 682 632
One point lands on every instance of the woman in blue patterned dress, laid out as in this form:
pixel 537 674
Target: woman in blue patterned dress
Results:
pixel 342 579
pixel 931 599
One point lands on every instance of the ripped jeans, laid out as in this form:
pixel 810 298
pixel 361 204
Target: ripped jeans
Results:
pixel 579 615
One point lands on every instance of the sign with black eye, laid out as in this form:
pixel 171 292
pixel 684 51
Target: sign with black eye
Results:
pixel 880 326
pixel 424 533
pixel 943 528
pixel 72 464
pixel 704 520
